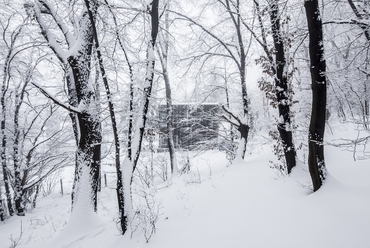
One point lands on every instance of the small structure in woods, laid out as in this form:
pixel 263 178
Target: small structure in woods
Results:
pixel 193 125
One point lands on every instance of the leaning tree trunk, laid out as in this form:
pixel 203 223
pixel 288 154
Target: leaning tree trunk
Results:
pixel 316 161
pixel 282 91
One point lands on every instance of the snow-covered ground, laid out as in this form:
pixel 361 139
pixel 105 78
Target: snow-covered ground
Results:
pixel 243 205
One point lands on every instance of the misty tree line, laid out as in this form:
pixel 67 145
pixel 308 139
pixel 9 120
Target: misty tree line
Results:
pixel 86 78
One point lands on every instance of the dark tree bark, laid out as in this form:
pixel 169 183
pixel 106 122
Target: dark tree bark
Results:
pixel 3 154
pixel 19 173
pixel 237 123
pixel 121 184
pixel 2 215
pixel 316 161
pixel 120 189
pixel 86 119
pixel 282 91
pixel 361 17
pixel 7 184
pixel 4 87
pixel 88 150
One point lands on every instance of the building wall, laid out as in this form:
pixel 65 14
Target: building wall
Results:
pixel 193 125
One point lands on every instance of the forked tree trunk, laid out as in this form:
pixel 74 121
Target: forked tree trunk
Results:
pixel 244 126
pixel 86 119
pixel 148 84
pixel 136 135
pixel 120 188
pixel 89 143
pixel 316 161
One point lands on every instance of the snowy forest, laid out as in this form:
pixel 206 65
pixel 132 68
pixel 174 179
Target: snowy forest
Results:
pixel 171 123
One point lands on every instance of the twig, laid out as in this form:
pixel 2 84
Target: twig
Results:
pixel 56 101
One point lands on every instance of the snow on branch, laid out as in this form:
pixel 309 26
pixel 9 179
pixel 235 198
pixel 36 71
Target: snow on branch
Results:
pixel 59 21
pixel 362 24
pixel 53 44
pixel 55 100
pixel 226 46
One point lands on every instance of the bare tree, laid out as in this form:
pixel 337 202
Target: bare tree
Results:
pixel 316 161
pixel 234 49
pixel 274 64
pixel 74 53
pixel 19 93
pixel 351 49
pixel 137 127
pixel 117 146
pixel 10 38
pixel 163 52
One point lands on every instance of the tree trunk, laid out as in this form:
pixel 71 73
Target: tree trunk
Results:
pixel 316 161
pixel 4 165
pixel 7 185
pixel 37 191
pixel 2 215
pixel 367 96
pixel 244 132
pixel 170 140
pixel 236 19
pixel 169 109
pixel 81 94
pixel 88 158
pixel 130 162
pixel 89 143
pixel 148 84
pixel 120 191
pixel 282 91
pixel 18 187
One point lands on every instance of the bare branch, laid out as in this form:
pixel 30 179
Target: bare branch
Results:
pixel 56 101
pixel 231 114
pixel 230 121
pixel 210 34
pixel 59 21
pixel 48 35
